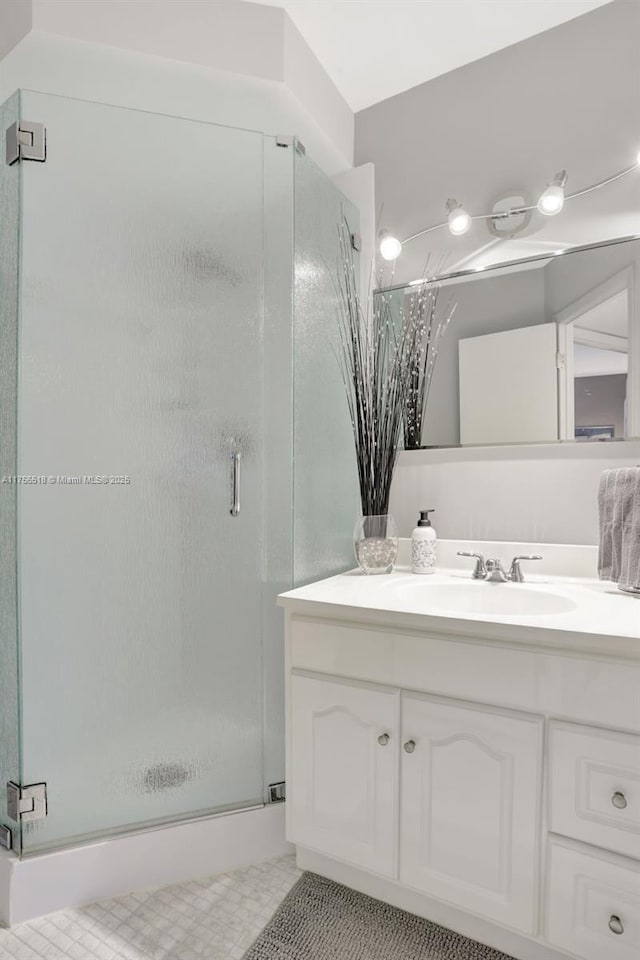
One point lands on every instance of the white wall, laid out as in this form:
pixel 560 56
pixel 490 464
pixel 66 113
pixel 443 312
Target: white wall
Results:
pixel 240 37
pixel 567 97
pixel 307 80
pixel 229 62
pixel 563 98
pixel 543 493
pixel 16 20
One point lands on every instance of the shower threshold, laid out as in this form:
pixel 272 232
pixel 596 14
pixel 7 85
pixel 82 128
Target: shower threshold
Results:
pixel 158 855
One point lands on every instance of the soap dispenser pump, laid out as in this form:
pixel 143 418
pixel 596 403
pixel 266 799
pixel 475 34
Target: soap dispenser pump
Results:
pixel 423 545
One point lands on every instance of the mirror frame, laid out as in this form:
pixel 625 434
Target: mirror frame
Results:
pixel 503 264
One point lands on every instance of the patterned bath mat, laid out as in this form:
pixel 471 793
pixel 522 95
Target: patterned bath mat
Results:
pixel 322 920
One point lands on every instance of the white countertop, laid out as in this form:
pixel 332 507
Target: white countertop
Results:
pixel 600 618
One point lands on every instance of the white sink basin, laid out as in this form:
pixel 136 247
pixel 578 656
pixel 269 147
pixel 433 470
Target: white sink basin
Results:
pixel 477 596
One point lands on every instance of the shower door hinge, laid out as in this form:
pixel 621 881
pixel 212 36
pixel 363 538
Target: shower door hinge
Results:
pixel 284 140
pixel 26 804
pixel 277 792
pixel 6 837
pixel 561 360
pixel 26 141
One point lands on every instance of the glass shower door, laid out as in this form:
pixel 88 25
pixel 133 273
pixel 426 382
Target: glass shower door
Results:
pixel 140 384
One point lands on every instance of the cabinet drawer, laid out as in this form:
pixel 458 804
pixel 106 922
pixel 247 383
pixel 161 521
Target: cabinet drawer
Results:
pixel 593 903
pixel 595 786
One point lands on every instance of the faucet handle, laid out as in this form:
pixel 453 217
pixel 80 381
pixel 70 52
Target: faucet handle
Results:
pixel 515 573
pixel 480 571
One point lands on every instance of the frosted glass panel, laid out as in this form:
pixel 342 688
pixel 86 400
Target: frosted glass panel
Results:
pixel 9 709
pixel 140 362
pixel 325 482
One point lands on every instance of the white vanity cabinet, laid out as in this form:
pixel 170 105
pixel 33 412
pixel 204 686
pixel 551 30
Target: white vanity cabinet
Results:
pixel 490 784
pixel 466 823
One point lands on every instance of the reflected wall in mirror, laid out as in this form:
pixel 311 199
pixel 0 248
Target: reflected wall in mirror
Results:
pixel 538 351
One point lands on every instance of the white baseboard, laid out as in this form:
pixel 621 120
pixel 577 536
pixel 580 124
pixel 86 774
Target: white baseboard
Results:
pixel 68 878
pixel 514 944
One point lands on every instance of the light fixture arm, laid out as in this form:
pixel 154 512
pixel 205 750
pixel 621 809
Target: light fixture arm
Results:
pixel 421 233
pixel 602 183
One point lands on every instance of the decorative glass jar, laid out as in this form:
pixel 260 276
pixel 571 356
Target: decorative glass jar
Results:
pixel 375 542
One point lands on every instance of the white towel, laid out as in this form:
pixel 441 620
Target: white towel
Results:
pixel 619 506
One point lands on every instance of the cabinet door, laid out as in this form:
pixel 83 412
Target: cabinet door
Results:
pixel 343 781
pixel 469 814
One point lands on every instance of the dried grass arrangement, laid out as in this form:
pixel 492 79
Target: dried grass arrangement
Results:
pixel 427 318
pixel 374 361
pixel 387 364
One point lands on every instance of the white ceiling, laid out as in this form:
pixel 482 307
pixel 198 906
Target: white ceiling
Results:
pixel 373 49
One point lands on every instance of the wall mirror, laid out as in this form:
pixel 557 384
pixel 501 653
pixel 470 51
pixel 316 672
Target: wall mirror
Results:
pixel 537 351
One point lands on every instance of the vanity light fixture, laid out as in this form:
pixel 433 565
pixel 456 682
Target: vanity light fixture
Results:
pixel 551 202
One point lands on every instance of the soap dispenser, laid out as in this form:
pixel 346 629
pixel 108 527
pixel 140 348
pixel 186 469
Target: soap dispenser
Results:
pixel 423 545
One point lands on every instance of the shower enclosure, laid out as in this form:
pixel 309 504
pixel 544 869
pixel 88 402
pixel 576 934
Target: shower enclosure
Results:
pixel 175 450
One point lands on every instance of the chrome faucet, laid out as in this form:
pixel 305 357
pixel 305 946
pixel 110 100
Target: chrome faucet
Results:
pixel 492 570
pixel 496 572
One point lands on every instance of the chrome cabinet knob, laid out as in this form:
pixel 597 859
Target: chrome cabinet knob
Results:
pixel 619 800
pixel 615 925
pixel 409 746
pixel 383 739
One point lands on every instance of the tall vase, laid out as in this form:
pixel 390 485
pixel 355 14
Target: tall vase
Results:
pixel 375 542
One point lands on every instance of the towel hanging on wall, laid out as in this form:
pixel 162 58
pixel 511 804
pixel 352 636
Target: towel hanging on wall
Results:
pixel 619 509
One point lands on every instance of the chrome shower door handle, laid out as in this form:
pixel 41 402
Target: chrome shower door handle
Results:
pixel 235 503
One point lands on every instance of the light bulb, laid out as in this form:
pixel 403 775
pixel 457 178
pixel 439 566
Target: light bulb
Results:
pixel 458 219
pixel 390 247
pixel 552 200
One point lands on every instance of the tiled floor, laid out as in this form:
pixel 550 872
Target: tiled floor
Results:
pixel 216 918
